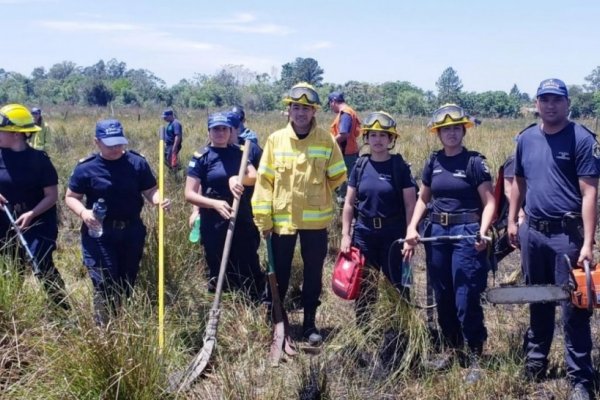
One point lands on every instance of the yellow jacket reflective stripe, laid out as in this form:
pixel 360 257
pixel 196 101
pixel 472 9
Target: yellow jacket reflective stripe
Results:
pixel 295 181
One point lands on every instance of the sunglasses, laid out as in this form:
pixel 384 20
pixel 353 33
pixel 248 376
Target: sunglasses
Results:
pixel 455 113
pixel 311 97
pixel 384 121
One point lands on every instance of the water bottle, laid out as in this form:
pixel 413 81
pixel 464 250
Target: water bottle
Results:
pixel 99 210
pixel 195 232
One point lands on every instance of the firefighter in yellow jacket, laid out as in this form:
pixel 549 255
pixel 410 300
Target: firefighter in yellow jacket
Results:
pixel 300 168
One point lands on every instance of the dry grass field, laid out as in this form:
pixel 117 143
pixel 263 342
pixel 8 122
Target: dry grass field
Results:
pixel 47 354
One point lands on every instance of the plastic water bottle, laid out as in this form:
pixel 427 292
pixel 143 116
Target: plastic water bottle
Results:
pixel 99 210
pixel 195 232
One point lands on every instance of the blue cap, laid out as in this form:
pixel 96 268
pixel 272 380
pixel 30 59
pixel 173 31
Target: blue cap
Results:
pixel 219 119
pixel 234 118
pixel 337 97
pixel 552 86
pixel 110 132
pixel 167 112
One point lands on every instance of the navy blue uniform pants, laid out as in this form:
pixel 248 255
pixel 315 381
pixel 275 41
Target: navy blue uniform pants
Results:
pixel 375 245
pixel 458 276
pixel 113 261
pixel 243 270
pixel 313 249
pixel 544 262
pixel 41 239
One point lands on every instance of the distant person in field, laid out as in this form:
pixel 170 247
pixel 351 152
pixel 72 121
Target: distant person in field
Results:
pixel 211 186
pixel 557 166
pixel 173 139
pixel 381 193
pixel 42 138
pixel 300 167
pixel 345 129
pixel 457 185
pixel 29 191
pixel 124 179
pixel 244 133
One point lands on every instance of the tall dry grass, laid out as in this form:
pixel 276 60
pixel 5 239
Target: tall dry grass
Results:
pixel 47 354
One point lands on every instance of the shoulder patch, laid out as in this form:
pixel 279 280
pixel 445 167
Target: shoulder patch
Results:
pixel 596 151
pixel 88 158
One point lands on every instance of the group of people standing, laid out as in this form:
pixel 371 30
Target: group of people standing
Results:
pixel 287 192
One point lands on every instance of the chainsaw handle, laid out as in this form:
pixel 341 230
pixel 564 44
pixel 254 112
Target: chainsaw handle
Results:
pixel 588 285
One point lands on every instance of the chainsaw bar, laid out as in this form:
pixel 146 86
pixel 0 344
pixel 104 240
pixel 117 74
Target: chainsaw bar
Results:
pixel 526 294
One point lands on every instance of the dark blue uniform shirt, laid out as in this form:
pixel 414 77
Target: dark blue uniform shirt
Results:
pixel 173 129
pixel 567 155
pixel 451 189
pixel 213 167
pixel 376 195
pixel 23 177
pixel 119 182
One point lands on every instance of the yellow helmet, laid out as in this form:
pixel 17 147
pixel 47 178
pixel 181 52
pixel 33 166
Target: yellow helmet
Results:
pixel 303 93
pixel 17 118
pixel 379 121
pixel 447 115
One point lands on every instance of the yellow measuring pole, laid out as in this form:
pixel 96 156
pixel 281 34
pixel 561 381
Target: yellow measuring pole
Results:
pixel 161 239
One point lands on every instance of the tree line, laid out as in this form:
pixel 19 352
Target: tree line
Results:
pixel 112 82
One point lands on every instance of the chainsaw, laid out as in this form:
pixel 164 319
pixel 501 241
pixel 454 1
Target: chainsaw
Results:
pixel 583 290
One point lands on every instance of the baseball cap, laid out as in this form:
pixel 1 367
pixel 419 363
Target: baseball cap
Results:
pixel 219 119
pixel 234 118
pixel 552 86
pixel 36 110
pixel 167 112
pixel 239 110
pixel 110 132
pixel 336 96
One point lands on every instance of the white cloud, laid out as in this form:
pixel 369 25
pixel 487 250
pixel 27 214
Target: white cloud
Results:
pixel 79 26
pixel 240 23
pixel 319 45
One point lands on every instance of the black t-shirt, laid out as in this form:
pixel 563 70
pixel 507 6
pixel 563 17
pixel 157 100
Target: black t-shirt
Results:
pixel 23 177
pixel 119 182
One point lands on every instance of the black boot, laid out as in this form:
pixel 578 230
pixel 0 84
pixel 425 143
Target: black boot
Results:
pixel 474 360
pixel 309 329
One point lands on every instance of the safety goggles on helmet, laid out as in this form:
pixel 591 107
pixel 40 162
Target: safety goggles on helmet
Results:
pixel 16 118
pixel 452 111
pixel 379 121
pixel 303 95
pixel 447 115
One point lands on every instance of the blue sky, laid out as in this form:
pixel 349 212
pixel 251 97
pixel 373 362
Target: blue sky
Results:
pixel 492 45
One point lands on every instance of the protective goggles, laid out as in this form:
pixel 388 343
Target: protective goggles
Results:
pixel 455 113
pixel 384 121
pixel 310 96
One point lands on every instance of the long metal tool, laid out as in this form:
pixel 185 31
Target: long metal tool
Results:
pixel 182 381
pixel 161 239
pixel 34 263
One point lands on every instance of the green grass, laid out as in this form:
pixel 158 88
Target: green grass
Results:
pixel 47 354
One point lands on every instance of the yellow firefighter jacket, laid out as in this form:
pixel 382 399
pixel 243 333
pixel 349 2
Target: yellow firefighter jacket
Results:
pixel 295 180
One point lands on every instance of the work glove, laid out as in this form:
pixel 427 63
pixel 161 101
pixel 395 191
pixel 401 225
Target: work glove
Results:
pixel 173 161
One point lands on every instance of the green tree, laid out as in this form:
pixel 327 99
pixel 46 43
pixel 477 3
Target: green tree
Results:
pixel 594 80
pixel 301 70
pixel 449 87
